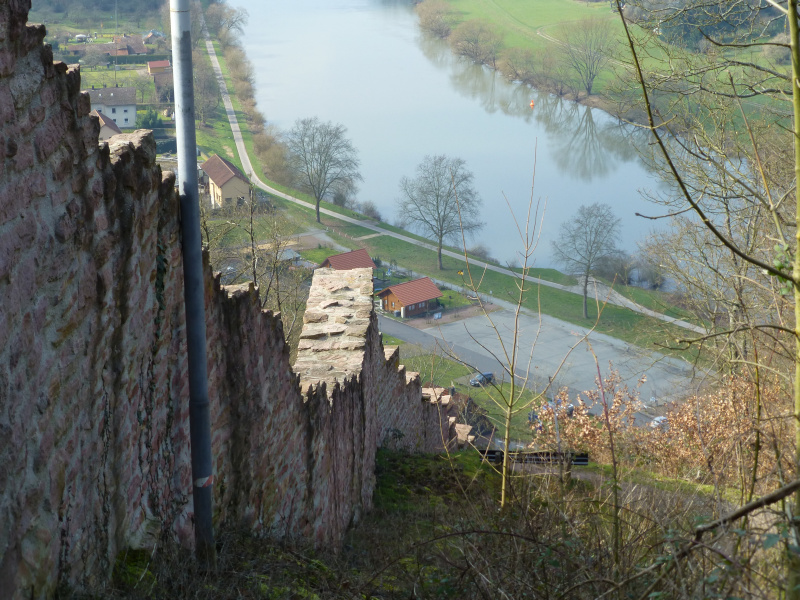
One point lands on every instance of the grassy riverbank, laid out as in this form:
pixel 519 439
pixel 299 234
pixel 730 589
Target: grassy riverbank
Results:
pixel 615 321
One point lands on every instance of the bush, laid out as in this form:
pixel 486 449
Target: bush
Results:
pixel 369 209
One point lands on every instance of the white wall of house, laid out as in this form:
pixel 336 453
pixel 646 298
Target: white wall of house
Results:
pixel 123 115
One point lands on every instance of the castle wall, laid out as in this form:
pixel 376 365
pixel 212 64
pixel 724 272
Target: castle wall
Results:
pixel 94 432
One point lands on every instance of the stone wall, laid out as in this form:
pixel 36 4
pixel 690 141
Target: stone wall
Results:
pixel 94 453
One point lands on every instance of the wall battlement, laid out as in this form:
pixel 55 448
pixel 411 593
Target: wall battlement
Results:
pixel 94 435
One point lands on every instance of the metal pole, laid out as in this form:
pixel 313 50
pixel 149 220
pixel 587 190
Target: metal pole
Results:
pixel 193 287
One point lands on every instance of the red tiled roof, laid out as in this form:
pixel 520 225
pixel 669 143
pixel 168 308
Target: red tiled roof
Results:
pixel 356 259
pixel 415 291
pixel 220 171
pixel 157 64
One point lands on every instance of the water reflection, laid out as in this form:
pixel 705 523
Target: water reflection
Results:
pixel 584 145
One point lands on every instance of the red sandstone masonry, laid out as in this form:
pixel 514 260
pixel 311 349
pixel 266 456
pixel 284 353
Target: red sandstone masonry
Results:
pixel 94 435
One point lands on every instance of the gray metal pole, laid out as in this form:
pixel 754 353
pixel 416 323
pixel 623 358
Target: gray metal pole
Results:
pixel 199 419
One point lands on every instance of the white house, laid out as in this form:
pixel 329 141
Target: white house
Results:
pixel 118 103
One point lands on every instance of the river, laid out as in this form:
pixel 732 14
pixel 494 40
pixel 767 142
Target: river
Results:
pixel 403 95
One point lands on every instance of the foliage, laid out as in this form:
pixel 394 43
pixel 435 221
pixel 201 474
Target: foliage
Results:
pixel 478 40
pixel 435 16
pixel 150 120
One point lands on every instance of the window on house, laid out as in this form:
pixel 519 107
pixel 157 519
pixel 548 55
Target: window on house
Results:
pixel 126 120
pixel 113 111
pixel 392 304
pixel 126 110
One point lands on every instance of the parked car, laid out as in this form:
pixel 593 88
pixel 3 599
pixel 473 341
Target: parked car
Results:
pixel 481 379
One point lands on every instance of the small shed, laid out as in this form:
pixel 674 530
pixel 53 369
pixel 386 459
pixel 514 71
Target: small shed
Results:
pixel 158 66
pixel 410 298
pixel 356 259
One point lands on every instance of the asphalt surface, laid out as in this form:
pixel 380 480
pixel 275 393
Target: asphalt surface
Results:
pixel 552 348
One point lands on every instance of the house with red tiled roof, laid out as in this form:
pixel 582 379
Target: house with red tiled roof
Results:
pixel 357 259
pixel 226 182
pixel 410 298
pixel 107 126
pixel 158 66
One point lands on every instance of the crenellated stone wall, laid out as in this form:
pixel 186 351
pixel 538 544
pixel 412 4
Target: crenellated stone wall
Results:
pixel 94 433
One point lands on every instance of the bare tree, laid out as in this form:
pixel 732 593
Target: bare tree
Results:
pixel 587 45
pixel 440 201
pixel 224 22
pixel 478 40
pixel 585 241
pixel 435 16
pixel 206 88
pixel 323 159
pixel 143 85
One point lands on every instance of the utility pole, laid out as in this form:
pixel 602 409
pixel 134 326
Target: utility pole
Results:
pixel 193 288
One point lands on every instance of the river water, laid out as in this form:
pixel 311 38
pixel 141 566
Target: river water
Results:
pixel 403 95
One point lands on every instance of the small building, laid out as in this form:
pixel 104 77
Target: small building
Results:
pixel 107 126
pixel 118 103
pixel 158 66
pixel 410 298
pixel 226 182
pixel 131 44
pixel 357 259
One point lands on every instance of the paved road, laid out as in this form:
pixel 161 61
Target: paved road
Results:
pixel 248 168
pixel 553 347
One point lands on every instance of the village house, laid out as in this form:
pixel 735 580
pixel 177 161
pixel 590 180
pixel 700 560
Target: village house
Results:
pixel 225 181
pixel 357 259
pixel 107 126
pixel 118 103
pixel 411 298
pixel 130 44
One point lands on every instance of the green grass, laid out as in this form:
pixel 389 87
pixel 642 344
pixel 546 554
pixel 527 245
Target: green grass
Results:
pixel 352 231
pixel 519 19
pixel 444 372
pixel 615 321
pixel 317 255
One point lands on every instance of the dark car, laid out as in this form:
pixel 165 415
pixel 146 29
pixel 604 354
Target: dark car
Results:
pixel 481 379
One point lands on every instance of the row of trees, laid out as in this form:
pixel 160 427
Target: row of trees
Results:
pixel 583 49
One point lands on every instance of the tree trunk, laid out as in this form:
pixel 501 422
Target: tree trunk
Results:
pixel 318 221
pixel 793 562
pixel 585 295
pixel 439 255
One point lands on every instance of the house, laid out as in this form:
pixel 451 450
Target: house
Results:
pixel 107 126
pixel 225 181
pixel 130 44
pixel 158 66
pixel 410 298
pixel 357 259
pixel 118 103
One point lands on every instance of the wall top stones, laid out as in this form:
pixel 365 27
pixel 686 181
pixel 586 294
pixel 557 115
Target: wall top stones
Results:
pixel 336 321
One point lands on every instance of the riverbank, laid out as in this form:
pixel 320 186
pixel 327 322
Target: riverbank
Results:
pixel 636 326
